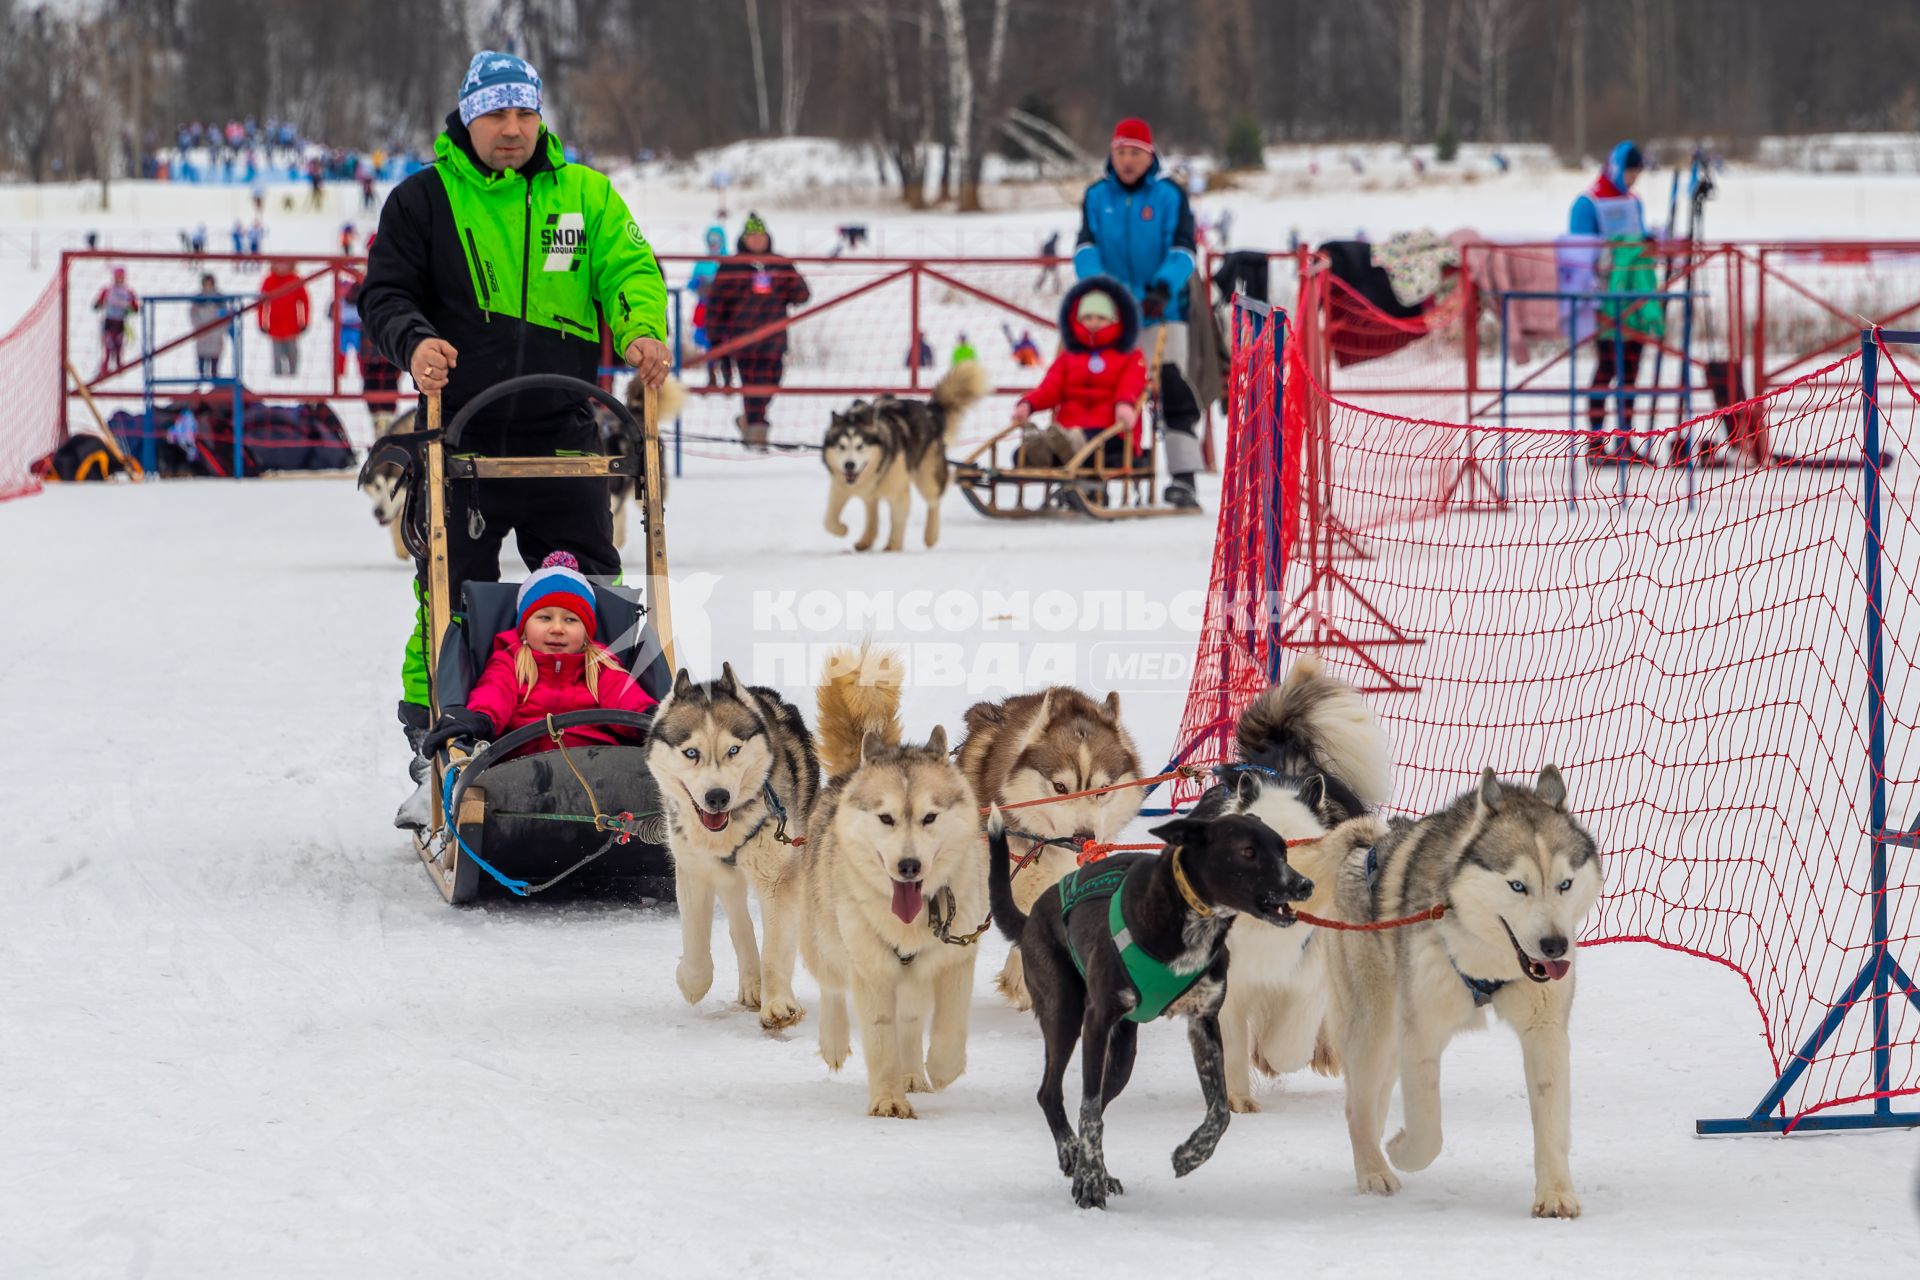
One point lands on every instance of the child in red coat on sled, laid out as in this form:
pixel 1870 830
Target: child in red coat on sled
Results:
pixel 549 664
pixel 1096 380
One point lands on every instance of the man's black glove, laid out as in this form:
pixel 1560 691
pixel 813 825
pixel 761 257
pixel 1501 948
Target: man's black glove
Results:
pixel 1154 305
pixel 453 725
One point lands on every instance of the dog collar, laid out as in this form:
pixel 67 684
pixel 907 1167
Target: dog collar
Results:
pixel 1181 883
pixel 1483 989
pixel 941 909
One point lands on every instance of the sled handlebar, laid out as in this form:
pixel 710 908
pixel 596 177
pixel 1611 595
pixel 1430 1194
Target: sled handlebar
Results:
pixel 540 382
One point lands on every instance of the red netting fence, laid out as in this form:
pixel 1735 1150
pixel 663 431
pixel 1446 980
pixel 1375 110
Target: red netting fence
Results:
pixel 30 382
pixel 1693 645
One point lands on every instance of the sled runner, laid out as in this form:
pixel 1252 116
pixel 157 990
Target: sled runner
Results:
pixel 586 816
pixel 995 482
pixel 1024 472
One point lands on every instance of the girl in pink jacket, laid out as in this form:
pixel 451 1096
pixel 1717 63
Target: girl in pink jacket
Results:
pixel 548 665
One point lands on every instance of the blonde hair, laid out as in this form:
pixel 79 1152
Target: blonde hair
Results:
pixel 598 657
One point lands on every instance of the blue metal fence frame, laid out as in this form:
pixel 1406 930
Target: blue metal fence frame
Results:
pixel 1620 395
pixel 149 381
pixel 1880 973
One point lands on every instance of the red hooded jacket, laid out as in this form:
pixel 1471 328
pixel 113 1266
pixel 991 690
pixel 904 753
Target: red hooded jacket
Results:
pixel 1083 385
pixel 1084 396
pixel 286 316
pixel 561 686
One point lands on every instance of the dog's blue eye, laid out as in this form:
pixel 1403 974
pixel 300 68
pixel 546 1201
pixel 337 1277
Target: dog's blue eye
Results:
pixel 1516 886
pixel 1565 885
pixel 691 753
pixel 886 819
pixel 733 750
pixel 928 820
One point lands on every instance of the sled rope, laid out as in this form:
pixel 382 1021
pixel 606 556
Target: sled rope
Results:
pixel 619 828
pixel 518 888
pixel 1178 771
pixel 1095 850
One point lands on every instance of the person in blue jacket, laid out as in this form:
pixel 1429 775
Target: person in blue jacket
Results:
pixel 1136 226
pixel 1608 210
pixel 719 372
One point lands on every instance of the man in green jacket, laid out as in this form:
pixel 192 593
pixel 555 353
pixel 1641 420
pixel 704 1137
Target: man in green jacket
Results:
pixel 503 259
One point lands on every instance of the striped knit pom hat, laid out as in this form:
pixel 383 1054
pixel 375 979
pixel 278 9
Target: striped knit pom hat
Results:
pixel 556 584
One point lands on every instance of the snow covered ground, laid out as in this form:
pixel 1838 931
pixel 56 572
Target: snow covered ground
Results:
pixel 240 1034
pixel 244 1037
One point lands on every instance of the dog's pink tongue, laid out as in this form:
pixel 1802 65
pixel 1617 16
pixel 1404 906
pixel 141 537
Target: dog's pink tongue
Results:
pixel 906 900
pixel 1557 969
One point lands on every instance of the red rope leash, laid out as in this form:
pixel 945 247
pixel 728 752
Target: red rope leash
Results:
pixel 1178 771
pixel 1095 850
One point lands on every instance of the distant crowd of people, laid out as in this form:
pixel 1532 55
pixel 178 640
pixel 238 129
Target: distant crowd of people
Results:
pixel 248 153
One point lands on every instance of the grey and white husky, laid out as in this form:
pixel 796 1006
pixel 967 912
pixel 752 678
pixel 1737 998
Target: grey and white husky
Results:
pixel 1314 765
pixel 736 770
pixel 883 450
pixel 1517 874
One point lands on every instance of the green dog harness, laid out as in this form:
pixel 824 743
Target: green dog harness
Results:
pixel 1156 983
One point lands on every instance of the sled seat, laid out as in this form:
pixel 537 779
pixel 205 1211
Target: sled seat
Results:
pixel 529 817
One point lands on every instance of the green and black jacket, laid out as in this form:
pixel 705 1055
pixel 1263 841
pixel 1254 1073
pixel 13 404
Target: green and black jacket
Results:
pixel 516 270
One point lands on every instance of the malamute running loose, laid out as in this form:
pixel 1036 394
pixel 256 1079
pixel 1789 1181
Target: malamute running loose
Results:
pixel 1517 875
pixel 734 764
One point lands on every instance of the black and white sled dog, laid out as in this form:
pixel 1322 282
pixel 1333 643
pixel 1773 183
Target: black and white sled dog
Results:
pixel 1517 874
pixel 385 483
pixel 1132 938
pixel 736 769
pixel 882 450
pixel 1314 765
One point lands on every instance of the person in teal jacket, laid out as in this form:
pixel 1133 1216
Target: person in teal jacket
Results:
pixel 1608 210
pixel 719 372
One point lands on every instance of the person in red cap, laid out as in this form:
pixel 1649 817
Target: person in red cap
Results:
pixel 1136 226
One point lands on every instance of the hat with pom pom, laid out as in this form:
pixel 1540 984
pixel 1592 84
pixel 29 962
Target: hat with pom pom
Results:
pixel 556 584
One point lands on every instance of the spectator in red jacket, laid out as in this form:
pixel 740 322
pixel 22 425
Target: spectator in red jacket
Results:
pixel 1099 376
pixel 749 291
pixel 550 664
pixel 284 313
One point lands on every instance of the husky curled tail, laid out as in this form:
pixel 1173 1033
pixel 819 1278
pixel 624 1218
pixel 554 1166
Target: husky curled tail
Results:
pixel 962 387
pixel 859 695
pixel 1311 723
pixel 1315 765
pixel 891 865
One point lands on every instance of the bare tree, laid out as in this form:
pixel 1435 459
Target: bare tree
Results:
pixel 759 64
pixel 1490 26
pixel 794 68
pixel 1413 53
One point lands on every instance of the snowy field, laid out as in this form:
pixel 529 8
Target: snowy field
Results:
pixel 245 1037
pixel 240 1034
